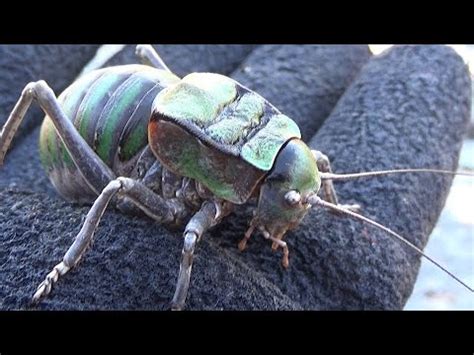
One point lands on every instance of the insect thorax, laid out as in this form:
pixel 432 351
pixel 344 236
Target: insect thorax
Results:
pixel 205 127
pixel 210 128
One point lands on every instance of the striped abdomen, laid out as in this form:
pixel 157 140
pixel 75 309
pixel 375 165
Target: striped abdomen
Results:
pixel 110 108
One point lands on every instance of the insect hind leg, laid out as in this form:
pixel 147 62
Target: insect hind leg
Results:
pixel 329 192
pixel 95 172
pixel 14 120
pixel 163 211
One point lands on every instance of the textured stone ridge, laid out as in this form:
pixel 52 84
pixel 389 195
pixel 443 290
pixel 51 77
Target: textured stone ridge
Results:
pixel 407 107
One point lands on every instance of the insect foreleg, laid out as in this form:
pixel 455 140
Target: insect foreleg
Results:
pixel 329 193
pixel 164 211
pixel 149 56
pixel 209 215
pixel 94 170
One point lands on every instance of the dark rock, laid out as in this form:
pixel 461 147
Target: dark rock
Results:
pixel 406 108
pixel 58 65
pixel 304 82
pixel 183 59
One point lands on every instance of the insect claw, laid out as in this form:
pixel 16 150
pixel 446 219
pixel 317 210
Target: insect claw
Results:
pixel 284 261
pixel 243 243
pixel 277 243
pixel 41 291
pixel 46 286
pixel 274 246
pixel 176 306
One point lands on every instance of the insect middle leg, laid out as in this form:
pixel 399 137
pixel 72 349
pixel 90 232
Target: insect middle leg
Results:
pixel 163 211
pixel 329 193
pixel 210 214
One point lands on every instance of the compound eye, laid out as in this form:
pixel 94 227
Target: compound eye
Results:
pixel 293 197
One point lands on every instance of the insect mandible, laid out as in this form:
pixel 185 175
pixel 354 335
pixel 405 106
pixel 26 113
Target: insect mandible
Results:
pixel 186 152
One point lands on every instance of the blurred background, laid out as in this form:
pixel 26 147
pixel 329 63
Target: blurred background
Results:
pixel 452 241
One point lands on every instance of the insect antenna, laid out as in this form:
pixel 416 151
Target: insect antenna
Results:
pixel 331 176
pixel 316 200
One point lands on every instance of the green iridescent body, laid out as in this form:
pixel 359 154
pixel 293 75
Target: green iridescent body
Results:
pixel 182 151
pixel 232 134
pixel 206 127
pixel 110 108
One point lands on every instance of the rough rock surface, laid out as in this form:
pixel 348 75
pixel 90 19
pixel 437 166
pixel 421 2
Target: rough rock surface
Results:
pixel 407 107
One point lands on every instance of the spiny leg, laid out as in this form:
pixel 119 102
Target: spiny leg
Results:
pixel 149 56
pixel 164 211
pixel 95 171
pixel 208 216
pixel 329 193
